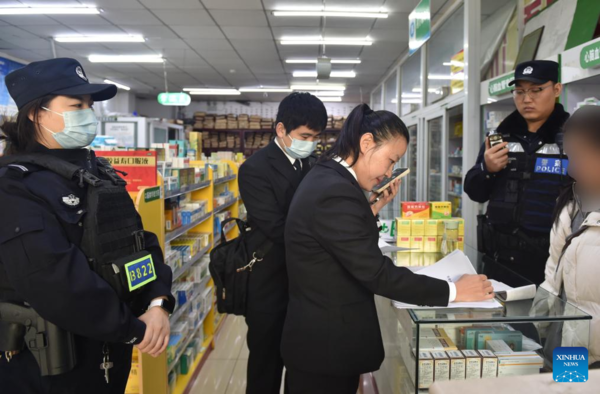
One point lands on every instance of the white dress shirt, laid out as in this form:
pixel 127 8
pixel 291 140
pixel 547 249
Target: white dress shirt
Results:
pixel 290 158
pixel 343 162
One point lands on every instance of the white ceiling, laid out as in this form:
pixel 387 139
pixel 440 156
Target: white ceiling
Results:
pixel 214 43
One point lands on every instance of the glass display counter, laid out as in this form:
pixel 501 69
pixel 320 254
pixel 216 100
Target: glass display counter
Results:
pixel 518 338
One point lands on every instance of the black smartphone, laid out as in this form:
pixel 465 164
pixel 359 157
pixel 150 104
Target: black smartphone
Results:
pixel 397 174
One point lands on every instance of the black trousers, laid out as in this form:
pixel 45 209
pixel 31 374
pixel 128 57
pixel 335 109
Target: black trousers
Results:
pixel 22 374
pixel 301 382
pixel 265 365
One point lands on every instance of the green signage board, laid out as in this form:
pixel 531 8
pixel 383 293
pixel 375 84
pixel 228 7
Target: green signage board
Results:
pixel 419 26
pixel 500 86
pixel 590 55
pixel 152 194
pixel 179 99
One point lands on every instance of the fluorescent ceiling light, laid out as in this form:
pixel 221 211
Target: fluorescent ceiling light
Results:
pixel 70 9
pixel 120 86
pixel 395 101
pixel 334 74
pixel 330 99
pixel 411 95
pixel 265 90
pixel 101 38
pixel 345 14
pixel 212 92
pixel 329 93
pixel 317 87
pixel 454 63
pixel 455 77
pixel 126 58
pixel 314 61
pixel 411 101
pixel 326 41
pixel 430 90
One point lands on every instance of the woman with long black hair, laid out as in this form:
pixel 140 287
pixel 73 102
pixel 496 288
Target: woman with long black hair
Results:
pixel 572 270
pixel 335 266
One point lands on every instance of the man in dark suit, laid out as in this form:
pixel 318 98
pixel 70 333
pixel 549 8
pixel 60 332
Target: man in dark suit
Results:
pixel 268 181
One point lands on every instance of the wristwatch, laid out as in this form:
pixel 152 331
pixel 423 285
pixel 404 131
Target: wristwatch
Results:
pixel 165 304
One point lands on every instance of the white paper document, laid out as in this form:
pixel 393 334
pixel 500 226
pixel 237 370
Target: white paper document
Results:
pixel 507 293
pixel 451 268
pixel 387 248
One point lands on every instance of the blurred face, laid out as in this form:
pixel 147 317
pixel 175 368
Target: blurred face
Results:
pixel 56 123
pixel 535 102
pixel 302 133
pixel 377 162
pixel 584 161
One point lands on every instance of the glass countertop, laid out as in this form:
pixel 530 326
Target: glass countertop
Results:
pixel 544 307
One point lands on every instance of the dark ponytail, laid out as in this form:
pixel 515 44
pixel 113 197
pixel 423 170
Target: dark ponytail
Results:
pixel 383 125
pixel 19 132
pixel 584 123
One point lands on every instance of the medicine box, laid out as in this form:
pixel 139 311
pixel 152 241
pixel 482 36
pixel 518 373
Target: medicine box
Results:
pixel 417 244
pixel 441 210
pixel 489 367
pixel 441 367
pixel 473 364
pixel 431 244
pixel 415 210
pixel 404 242
pixel 425 370
pixel 432 228
pixel 404 227
pixel 457 365
pixel 418 227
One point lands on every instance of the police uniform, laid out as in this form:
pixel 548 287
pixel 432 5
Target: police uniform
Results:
pixel 42 264
pixel 515 230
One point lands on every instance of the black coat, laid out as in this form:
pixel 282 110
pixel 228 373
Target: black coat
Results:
pixel 41 263
pixel 335 267
pixel 267 183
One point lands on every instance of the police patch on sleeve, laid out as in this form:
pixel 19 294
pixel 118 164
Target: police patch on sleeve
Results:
pixel 551 166
pixel 71 200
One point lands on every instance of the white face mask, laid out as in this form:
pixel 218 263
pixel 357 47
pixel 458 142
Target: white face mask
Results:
pixel 80 128
pixel 300 149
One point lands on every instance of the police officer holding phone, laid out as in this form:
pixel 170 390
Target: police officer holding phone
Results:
pixel 521 176
pixel 81 283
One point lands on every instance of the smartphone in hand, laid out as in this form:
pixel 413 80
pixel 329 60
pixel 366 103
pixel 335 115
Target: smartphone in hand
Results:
pixel 397 174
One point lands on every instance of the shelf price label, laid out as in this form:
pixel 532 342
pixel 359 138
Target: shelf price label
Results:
pixel 500 86
pixel 179 99
pixel 590 55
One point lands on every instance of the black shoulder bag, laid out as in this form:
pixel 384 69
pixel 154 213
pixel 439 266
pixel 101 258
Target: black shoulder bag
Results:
pixel 230 267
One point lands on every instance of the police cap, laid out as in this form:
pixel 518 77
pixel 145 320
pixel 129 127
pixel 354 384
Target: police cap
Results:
pixel 62 76
pixel 536 71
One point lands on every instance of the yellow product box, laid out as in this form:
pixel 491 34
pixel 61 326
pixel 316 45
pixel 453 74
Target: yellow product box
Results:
pixel 191 243
pixel 432 227
pixel 430 259
pixel 133 383
pixel 404 242
pixel 417 227
pixel 461 243
pixel 431 244
pixel 416 210
pixel 416 244
pixel 461 226
pixel 441 210
pixel 403 227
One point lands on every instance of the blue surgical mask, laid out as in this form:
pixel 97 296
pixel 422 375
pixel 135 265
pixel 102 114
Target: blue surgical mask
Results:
pixel 300 149
pixel 80 128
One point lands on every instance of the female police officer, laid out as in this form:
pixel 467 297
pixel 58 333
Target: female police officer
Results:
pixel 43 235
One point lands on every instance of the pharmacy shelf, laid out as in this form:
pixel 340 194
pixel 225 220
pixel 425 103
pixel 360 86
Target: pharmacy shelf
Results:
pixel 452 194
pixel 171 235
pixel 455 157
pixel 226 179
pixel 185 345
pixel 225 206
pixel 190 263
pixel 177 193
pixel 185 308
pixel 184 380
pixel 455 176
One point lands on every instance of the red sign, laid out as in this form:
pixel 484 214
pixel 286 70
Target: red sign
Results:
pixel 140 167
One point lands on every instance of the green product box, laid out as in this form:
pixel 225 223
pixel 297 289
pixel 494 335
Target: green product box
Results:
pixel 514 339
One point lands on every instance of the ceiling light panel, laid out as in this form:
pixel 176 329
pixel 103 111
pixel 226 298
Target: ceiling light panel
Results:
pixel 126 58
pixel 50 10
pixel 100 38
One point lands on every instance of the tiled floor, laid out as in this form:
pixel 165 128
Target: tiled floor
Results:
pixel 225 370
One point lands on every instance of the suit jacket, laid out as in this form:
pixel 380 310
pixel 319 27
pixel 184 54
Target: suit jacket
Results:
pixel 267 183
pixel 334 268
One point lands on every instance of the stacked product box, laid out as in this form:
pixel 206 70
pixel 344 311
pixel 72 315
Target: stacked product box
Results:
pixel 181 211
pixel 423 225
